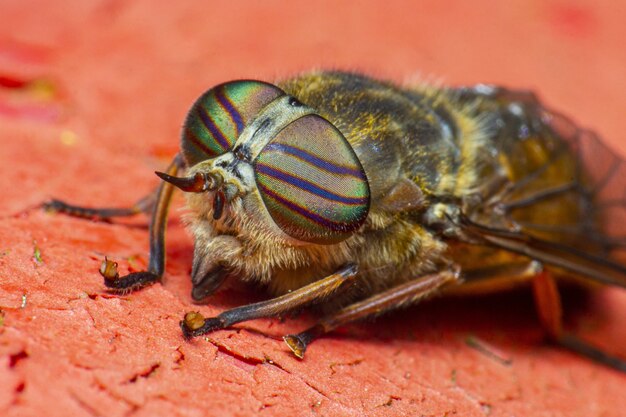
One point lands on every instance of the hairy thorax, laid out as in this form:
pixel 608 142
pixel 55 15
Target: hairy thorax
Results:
pixel 386 254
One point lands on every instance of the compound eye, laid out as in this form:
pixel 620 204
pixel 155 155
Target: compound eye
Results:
pixel 312 182
pixel 218 117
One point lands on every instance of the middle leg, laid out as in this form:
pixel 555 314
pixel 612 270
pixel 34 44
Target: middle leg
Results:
pixel 501 275
pixel 394 298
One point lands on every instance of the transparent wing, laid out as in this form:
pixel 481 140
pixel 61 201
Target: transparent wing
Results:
pixel 560 193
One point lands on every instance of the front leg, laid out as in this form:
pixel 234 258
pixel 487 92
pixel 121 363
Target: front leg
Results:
pixel 157 203
pixel 195 325
pixel 156 263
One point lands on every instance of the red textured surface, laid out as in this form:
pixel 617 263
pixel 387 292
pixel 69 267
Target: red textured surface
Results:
pixel 92 95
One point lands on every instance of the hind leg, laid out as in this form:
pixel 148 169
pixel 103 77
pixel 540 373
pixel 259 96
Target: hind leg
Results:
pixel 548 302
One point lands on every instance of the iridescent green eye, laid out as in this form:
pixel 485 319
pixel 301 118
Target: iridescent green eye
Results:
pixel 312 182
pixel 217 118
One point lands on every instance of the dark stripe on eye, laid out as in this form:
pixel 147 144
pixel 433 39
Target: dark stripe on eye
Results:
pixel 230 108
pixel 191 135
pixel 334 226
pixel 314 160
pixel 308 186
pixel 207 121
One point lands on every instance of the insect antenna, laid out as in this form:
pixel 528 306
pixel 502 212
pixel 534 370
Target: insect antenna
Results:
pixel 198 183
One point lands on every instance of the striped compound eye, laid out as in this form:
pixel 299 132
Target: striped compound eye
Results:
pixel 312 182
pixel 218 117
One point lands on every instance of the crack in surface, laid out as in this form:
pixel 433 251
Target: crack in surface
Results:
pixel 472 398
pixel 252 330
pixel 319 391
pixel 145 374
pixel 84 405
pixel 389 401
pixel 104 388
pixel 248 360
pixel 17 393
pixel 16 358
pixel 333 365
pixel 180 357
pixel 255 361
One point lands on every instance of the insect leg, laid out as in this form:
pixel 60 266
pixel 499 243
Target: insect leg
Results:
pixel 548 302
pixel 396 297
pixel 195 325
pixel 156 263
pixel 143 205
pixel 500 276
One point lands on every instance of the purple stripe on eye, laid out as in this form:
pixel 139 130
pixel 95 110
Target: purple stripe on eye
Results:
pixel 334 226
pixel 190 134
pixel 309 186
pixel 207 121
pixel 314 160
pixel 230 108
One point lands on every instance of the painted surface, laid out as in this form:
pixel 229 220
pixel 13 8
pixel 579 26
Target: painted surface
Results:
pixel 92 97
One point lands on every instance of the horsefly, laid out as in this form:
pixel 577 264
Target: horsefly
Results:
pixel 332 180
